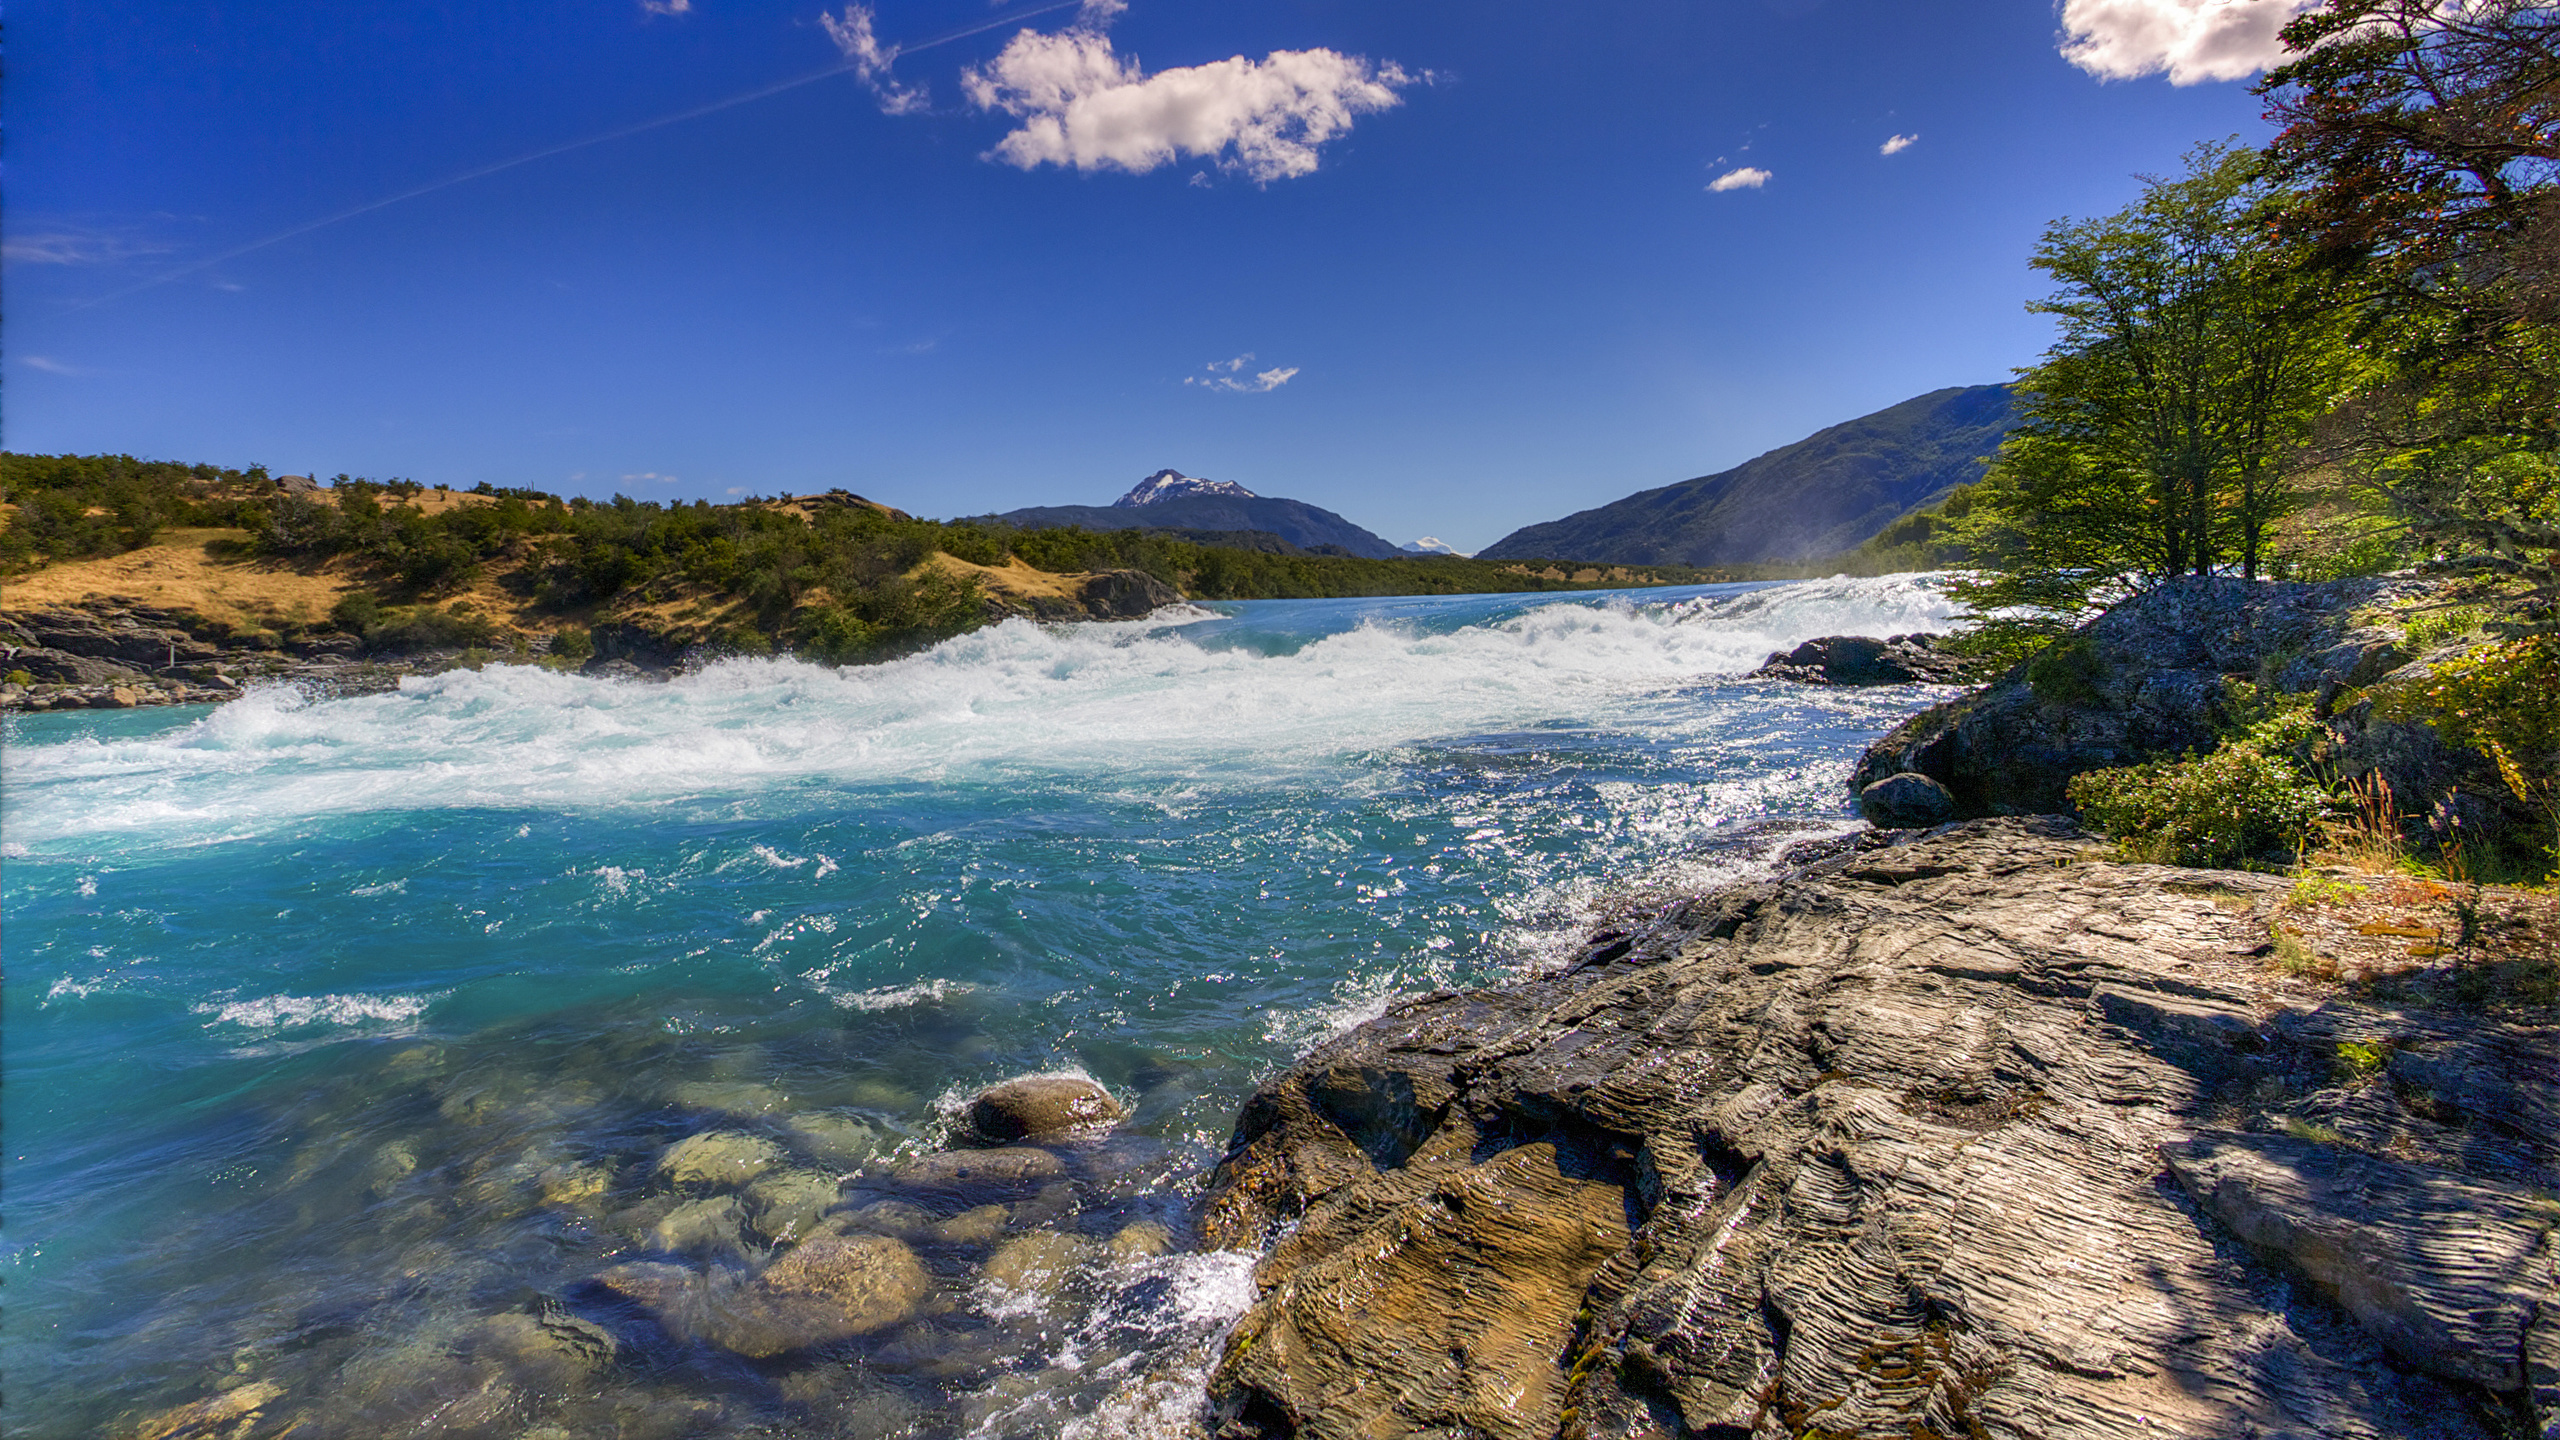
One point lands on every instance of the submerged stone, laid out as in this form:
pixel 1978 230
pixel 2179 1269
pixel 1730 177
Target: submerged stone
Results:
pixel 984 1225
pixel 1014 1168
pixel 739 1099
pixel 213 1415
pixel 700 1227
pixel 786 1205
pixel 1142 1240
pixel 717 1160
pixel 1036 1264
pixel 825 1289
pixel 834 1139
pixel 887 1217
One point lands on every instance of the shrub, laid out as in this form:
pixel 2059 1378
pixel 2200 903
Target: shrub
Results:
pixel 2245 801
pixel 20 677
pixel 2065 672
pixel 427 628
pixel 356 612
pixel 573 643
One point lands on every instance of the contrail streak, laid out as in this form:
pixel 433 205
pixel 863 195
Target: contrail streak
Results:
pixel 679 117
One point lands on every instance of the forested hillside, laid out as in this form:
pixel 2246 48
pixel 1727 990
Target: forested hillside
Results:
pixel 1820 496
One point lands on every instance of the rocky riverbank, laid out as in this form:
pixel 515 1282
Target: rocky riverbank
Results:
pixel 2150 678
pixel 1977 1134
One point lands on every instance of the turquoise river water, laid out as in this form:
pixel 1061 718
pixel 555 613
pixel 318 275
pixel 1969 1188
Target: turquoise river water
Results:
pixel 343 1034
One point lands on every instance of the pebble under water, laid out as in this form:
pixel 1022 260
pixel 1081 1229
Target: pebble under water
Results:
pixel 461 1061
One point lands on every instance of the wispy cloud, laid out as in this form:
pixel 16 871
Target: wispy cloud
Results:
pixel 667 7
pixel 1749 177
pixel 1897 144
pixel 1228 375
pixel 871 60
pixel 1081 105
pixel 2193 40
pixel 652 476
pixel 51 366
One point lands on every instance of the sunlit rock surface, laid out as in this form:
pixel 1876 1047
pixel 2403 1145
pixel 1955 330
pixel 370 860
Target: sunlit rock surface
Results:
pixel 1968 1136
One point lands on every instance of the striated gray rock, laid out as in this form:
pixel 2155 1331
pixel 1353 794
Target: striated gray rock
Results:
pixel 1864 660
pixel 1906 801
pixel 1969 1136
pixel 2145 680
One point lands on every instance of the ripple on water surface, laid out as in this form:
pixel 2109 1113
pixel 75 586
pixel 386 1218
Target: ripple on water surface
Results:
pixel 461 1060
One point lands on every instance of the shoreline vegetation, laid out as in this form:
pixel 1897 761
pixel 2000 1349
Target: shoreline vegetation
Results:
pixel 178 580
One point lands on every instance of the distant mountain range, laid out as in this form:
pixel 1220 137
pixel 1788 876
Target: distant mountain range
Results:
pixel 1171 500
pixel 1819 496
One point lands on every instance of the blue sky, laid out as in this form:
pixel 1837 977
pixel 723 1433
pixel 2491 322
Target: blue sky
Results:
pixel 1445 268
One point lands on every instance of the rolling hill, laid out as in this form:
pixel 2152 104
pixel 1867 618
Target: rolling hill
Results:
pixel 1819 496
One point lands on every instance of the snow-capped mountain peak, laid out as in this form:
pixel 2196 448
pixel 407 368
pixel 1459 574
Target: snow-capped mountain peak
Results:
pixel 1174 485
pixel 1430 545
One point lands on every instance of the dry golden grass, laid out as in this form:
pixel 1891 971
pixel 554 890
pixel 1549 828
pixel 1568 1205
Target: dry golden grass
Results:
pixel 180 572
pixel 1012 578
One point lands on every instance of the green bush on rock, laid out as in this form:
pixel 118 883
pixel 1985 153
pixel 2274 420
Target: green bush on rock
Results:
pixel 2247 800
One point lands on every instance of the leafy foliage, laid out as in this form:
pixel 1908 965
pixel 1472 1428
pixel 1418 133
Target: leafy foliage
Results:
pixel 2194 356
pixel 2423 141
pixel 2247 800
pixel 74 507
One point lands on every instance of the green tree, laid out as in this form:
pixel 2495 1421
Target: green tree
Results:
pixel 2424 139
pixel 2195 352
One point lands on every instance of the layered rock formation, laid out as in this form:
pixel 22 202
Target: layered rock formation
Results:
pixel 2148 679
pixel 1969 1136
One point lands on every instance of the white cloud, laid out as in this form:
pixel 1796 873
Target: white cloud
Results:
pixel 1897 144
pixel 667 7
pixel 1084 106
pixel 651 475
pixel 51 366
pixel 2193 40
pixel 1749 177
pixel 871 60
pixel 1223 376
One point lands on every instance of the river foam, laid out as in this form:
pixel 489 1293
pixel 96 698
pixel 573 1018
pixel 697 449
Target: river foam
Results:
pixel 1205 700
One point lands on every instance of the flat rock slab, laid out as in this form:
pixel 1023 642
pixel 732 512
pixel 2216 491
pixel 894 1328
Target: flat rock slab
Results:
pixel 1877 1150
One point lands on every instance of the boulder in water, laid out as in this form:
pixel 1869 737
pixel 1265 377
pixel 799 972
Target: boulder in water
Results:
pixel 1906 801
pixel 1042 1107
pixel 1864 660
